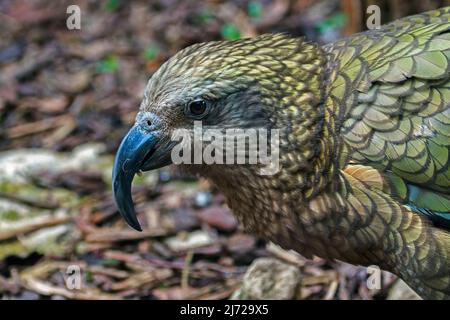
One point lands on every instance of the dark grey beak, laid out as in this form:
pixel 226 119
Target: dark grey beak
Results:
pixel 136 152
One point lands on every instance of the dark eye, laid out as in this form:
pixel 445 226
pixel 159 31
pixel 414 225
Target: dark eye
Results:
pixel 197 107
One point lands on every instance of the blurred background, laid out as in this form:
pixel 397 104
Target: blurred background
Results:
pixel 67 97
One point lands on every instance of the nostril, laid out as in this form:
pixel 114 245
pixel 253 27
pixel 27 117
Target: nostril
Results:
pixel 147 120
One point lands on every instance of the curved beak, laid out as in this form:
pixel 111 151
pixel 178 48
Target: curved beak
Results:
pixel 138 151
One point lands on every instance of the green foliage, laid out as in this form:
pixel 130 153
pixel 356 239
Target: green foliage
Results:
pixel 254 9
pixel 9 248
pixel 230 32
pixel 10 215
pixel 110 262
pixel 89 277
pixel 9 187
pixel 204 17
pixel 151 52
pixel 108 65
pixel 112 5
pixel 336 21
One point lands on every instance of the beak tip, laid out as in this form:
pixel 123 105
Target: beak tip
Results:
pixel 136 226
pixel 124 203
pixel 131 220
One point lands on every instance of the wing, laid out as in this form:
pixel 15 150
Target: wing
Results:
pixel 418 252
pixel 391 94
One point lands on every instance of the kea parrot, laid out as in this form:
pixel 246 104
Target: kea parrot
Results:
pixel 364 141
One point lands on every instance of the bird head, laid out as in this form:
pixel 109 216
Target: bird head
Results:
pixel 263 82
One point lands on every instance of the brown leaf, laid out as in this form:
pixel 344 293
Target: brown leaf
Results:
pixel 173 293
pixel 75 82
pixel 241 243
pixel 218 217
pixel 53 104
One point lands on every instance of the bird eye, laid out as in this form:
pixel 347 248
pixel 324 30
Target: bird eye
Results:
pixel 197 107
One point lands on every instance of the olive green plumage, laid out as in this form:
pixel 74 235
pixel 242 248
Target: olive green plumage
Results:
pixel 364 142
